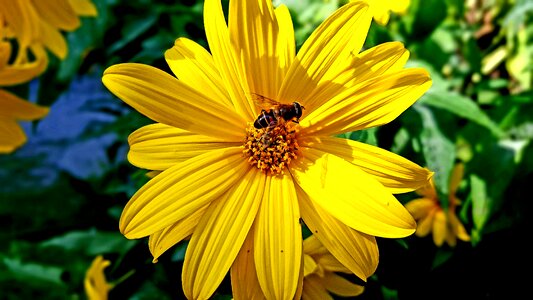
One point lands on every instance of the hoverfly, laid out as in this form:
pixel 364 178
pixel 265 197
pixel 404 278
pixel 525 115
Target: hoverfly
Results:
pixel 276 113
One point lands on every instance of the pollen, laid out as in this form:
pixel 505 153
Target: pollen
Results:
pixel 271 149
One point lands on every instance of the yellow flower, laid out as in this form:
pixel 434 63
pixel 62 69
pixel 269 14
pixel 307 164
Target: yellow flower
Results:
pixel 431 217
pixel 381 9
pixel 96 285
pixel 30 25
pixel 320 278
pixel 41 22
pixel 13 108
pixel 238 192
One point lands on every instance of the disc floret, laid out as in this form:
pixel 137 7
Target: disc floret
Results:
pixel 271 149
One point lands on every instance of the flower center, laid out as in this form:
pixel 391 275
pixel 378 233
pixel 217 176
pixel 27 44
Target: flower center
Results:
pixel 271 149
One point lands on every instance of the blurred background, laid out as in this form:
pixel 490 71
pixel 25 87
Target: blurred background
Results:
pixel 62 192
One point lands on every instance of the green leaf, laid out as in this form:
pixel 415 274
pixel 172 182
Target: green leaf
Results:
pixel 460 106
pixel 438 150
pixel 91 242
pixel 132 30
pixel 33 272
pixel 480 202
pixel 367 136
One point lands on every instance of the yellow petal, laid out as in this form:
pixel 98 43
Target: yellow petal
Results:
pixel 53 40
pixel 159 146
pixel 340 286
pixel 381 59
pixel 11 135
pixel 244 282
pixel 382 15
pixel 255 33
pixel 228 62
pixel 22 19
pixel 218 237
pixel 314 289
pixel 356 251
pixel 58 13
pixel 351 195
pixel 328 262
pixel 439 228
pixel 372 103
pixel 425 224
pixel 458 228
pixel 399 6
pixel 286 43
pixel 19 73
pixel 420 208
pixel 456 177
pixel 194 66
pixel 181 190
pixel 95 283
pixel 278 239
pixel 312 245
pixel 396 173
pixel 19 109
pixel 84 8
pixel 165 99
pixel 310 265
pixel 163 240
pixel 327 50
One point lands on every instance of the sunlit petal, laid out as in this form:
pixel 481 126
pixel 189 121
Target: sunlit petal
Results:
pixel 278 239
pixel 194 66
pixel 366 206
pixel 396 173
pixel 163 240
pixel 228 63
pixel 218 237
pixel 372 103
pixel 327 50
pixel 159 146
pixel 244 282
pixel 356 251
pixel 165 99
pixel 255 33
pixel 181 190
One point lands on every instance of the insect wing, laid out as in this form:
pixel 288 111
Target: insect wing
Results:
pixel 264 102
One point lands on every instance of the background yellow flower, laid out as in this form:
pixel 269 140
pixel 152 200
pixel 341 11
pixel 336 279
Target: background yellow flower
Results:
pixel 432 218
